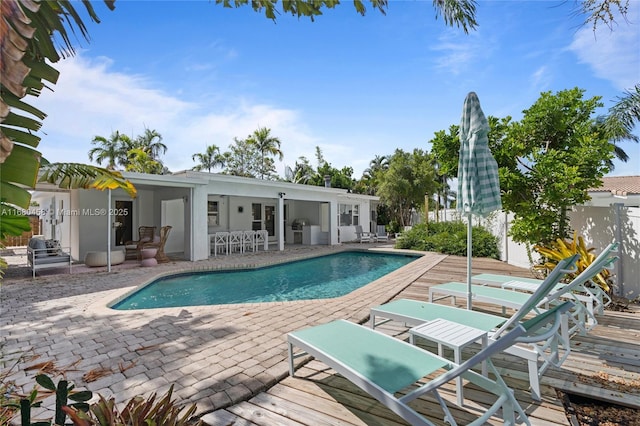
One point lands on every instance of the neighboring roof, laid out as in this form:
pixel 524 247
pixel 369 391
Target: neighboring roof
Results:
pixel 616 190
pixel 619 185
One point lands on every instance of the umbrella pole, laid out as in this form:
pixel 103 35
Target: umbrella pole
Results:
pixel 469 254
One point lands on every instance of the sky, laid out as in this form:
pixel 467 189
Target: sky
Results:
pixel 355 86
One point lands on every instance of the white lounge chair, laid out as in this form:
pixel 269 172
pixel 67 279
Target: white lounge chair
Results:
pixel 589 292
pixel 583 317
pixel 415 312
pixel 363 237
pixel 381 234
pixel 386 367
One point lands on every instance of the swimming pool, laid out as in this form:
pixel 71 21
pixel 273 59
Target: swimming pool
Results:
pixel 321 277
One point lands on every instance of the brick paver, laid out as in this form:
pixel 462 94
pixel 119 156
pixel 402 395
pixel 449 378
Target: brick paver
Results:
pixel 215 356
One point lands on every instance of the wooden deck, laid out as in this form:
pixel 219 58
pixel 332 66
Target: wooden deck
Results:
pixel 604 365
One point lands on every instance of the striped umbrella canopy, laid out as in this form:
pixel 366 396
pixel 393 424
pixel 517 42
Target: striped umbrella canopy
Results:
pixel 478 183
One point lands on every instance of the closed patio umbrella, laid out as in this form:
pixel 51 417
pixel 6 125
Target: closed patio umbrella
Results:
pixel 478 183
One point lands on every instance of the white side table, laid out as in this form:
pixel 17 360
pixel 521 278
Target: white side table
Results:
pixel 454 335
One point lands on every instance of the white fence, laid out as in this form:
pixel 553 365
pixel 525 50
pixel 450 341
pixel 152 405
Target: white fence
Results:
pixel 598 225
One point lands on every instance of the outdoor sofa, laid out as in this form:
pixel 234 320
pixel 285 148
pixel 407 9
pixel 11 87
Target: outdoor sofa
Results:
pixel 46 254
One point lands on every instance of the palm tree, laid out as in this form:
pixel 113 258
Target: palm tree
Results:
pixel 141 161
pixel 151 143
pixel 373 174
pixel 210 159
pixel 618 125
pixel 112 149
pixel 267 145
pixel 302 172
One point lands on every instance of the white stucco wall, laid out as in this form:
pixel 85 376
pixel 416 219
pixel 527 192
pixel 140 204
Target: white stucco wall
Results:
pixel 601 226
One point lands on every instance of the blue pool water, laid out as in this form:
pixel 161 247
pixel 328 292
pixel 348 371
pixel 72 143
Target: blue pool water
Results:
pixel 317 278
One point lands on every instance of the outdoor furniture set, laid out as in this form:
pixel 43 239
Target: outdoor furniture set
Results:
pixel 149 247
pixel 537 331
pixel 46 254
pixel 238 241
pixel 369 237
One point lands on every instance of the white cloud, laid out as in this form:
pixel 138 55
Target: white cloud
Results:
pixel 613 54
pixel 90 99
pixel 457 52
pixel 540 79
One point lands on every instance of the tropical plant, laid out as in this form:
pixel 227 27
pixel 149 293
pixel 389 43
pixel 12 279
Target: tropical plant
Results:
pixel 242 159
pixel 559 157
pixel 302 172
pixel 619 123
pixel 140 161
pixel 449 238
pixel 404 186
pixel 267 146
pixel 371 176
pixel 113 150
pixel 559 249
pixel 27 32
pixel 74 403
pixel 151 143
pixel 209 159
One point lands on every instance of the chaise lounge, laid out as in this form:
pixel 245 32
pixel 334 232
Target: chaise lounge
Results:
pixel 414 312
pixel 394 372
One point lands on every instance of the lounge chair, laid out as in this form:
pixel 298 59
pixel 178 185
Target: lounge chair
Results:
pixel 389 369
pixel 592 295
pixel 381 234
pixel 583 317
pixel 363 237
pixel 415 312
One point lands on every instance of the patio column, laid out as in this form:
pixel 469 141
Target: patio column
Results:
pixel 280 217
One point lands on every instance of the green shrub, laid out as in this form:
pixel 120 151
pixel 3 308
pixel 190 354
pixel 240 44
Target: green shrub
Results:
pixel 449 238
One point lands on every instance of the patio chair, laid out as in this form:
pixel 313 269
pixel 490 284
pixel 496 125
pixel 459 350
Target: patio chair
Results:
pixel 235 241
pixel 248 241
pixel 262 239
pixel 220 242
pixel 583 317
pixel 381 234
pixel 161 257
pixel 590 293
pixel 132 248
pixel 384 366
pixel 363 237
pixel 415 312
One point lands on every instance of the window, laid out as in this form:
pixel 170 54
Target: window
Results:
pixel 212 213
pixel 348 214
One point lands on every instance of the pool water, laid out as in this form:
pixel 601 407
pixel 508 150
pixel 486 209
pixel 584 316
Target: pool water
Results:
pixel 317 278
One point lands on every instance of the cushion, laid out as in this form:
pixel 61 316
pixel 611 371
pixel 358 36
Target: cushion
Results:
pixel 38 244
pixel 53 247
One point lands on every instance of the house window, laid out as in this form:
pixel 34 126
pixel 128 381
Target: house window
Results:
pixel 213 218
pixel 348 214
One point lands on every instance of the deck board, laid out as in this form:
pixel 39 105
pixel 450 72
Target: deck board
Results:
pixel 604 364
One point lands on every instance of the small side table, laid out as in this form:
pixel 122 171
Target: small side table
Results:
pixel 148 257
pixel 454 335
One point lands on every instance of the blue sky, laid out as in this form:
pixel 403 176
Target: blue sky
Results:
pixel 356 86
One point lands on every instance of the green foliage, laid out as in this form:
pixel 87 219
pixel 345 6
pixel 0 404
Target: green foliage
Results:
pixel 449 238
pixel 405 183
pixel 460 13
pixel 138 411
pixel 210 159
pixel 559 157
pixel 268 146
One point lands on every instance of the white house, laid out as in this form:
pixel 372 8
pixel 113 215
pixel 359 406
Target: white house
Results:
pixel 196 205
